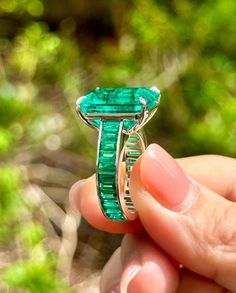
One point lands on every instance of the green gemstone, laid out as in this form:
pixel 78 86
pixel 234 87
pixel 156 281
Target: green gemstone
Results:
pixel 134 153
pixel 107 193
pixel 108 101
pixel 117 216
pixel 106 170
pixel 110 204
pixel 118 100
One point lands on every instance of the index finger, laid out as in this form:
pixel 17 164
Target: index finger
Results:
pixel 215 172
pixel 83 198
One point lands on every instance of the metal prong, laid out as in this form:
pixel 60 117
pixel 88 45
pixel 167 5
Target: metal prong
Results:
pixel 143 102
pixel 141 118
pixel 155 89
pixel 144 113
pixel 82 116
pixel 78 102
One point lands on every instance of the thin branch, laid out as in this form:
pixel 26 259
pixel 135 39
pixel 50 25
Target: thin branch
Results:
pixel 68 244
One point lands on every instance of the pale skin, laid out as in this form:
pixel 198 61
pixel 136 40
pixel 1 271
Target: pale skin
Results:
pixel 184 239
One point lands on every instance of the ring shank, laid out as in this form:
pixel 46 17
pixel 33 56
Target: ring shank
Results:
pixel 132 149
pixel 115 159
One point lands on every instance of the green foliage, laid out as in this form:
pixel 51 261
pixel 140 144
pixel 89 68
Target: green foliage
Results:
pixel 35 275
pixel 32 234
pixel 10 203
pixel 37 271
pixel 5 140
pixel 33 8
pixel 13 105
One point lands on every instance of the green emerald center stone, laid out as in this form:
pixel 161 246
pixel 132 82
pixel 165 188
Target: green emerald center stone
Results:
pixel 108 101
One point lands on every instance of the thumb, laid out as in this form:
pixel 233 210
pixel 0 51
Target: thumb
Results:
pixel 193 224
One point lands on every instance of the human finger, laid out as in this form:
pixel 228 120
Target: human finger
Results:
pixel 83 198
pixel 194 283
pixel 145 268
pixel 140 266
pixel 193 224
pixel 218 173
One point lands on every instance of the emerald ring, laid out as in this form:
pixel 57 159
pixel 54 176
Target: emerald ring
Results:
pixel 118 114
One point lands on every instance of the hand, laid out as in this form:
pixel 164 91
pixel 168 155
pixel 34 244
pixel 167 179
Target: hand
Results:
pixel 187 216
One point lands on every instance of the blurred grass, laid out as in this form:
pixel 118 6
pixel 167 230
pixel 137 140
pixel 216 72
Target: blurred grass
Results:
pixel 52 52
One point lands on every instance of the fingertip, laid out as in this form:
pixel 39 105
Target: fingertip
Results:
pixel 153 149
pixel 147 267
pixel 147 280
pixel 136 177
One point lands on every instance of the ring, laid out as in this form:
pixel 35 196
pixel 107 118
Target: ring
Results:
pixel 118 114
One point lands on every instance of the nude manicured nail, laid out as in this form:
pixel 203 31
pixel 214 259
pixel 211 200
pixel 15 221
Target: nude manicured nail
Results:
pixel 130 272
pixel 163 178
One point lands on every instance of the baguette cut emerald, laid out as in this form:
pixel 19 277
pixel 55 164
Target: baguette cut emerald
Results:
pixel 106 170
pixel 108 101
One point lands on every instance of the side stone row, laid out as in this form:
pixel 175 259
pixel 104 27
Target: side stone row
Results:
pixel 106 169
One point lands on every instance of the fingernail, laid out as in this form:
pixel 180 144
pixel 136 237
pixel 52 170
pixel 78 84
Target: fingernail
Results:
pixel 131 270
pixel 73 194
pixel 163 178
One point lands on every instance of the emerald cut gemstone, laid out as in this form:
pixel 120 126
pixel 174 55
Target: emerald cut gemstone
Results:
pixel 110 101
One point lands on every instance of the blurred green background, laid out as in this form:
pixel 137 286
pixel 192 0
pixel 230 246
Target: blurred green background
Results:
pixel 51 52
